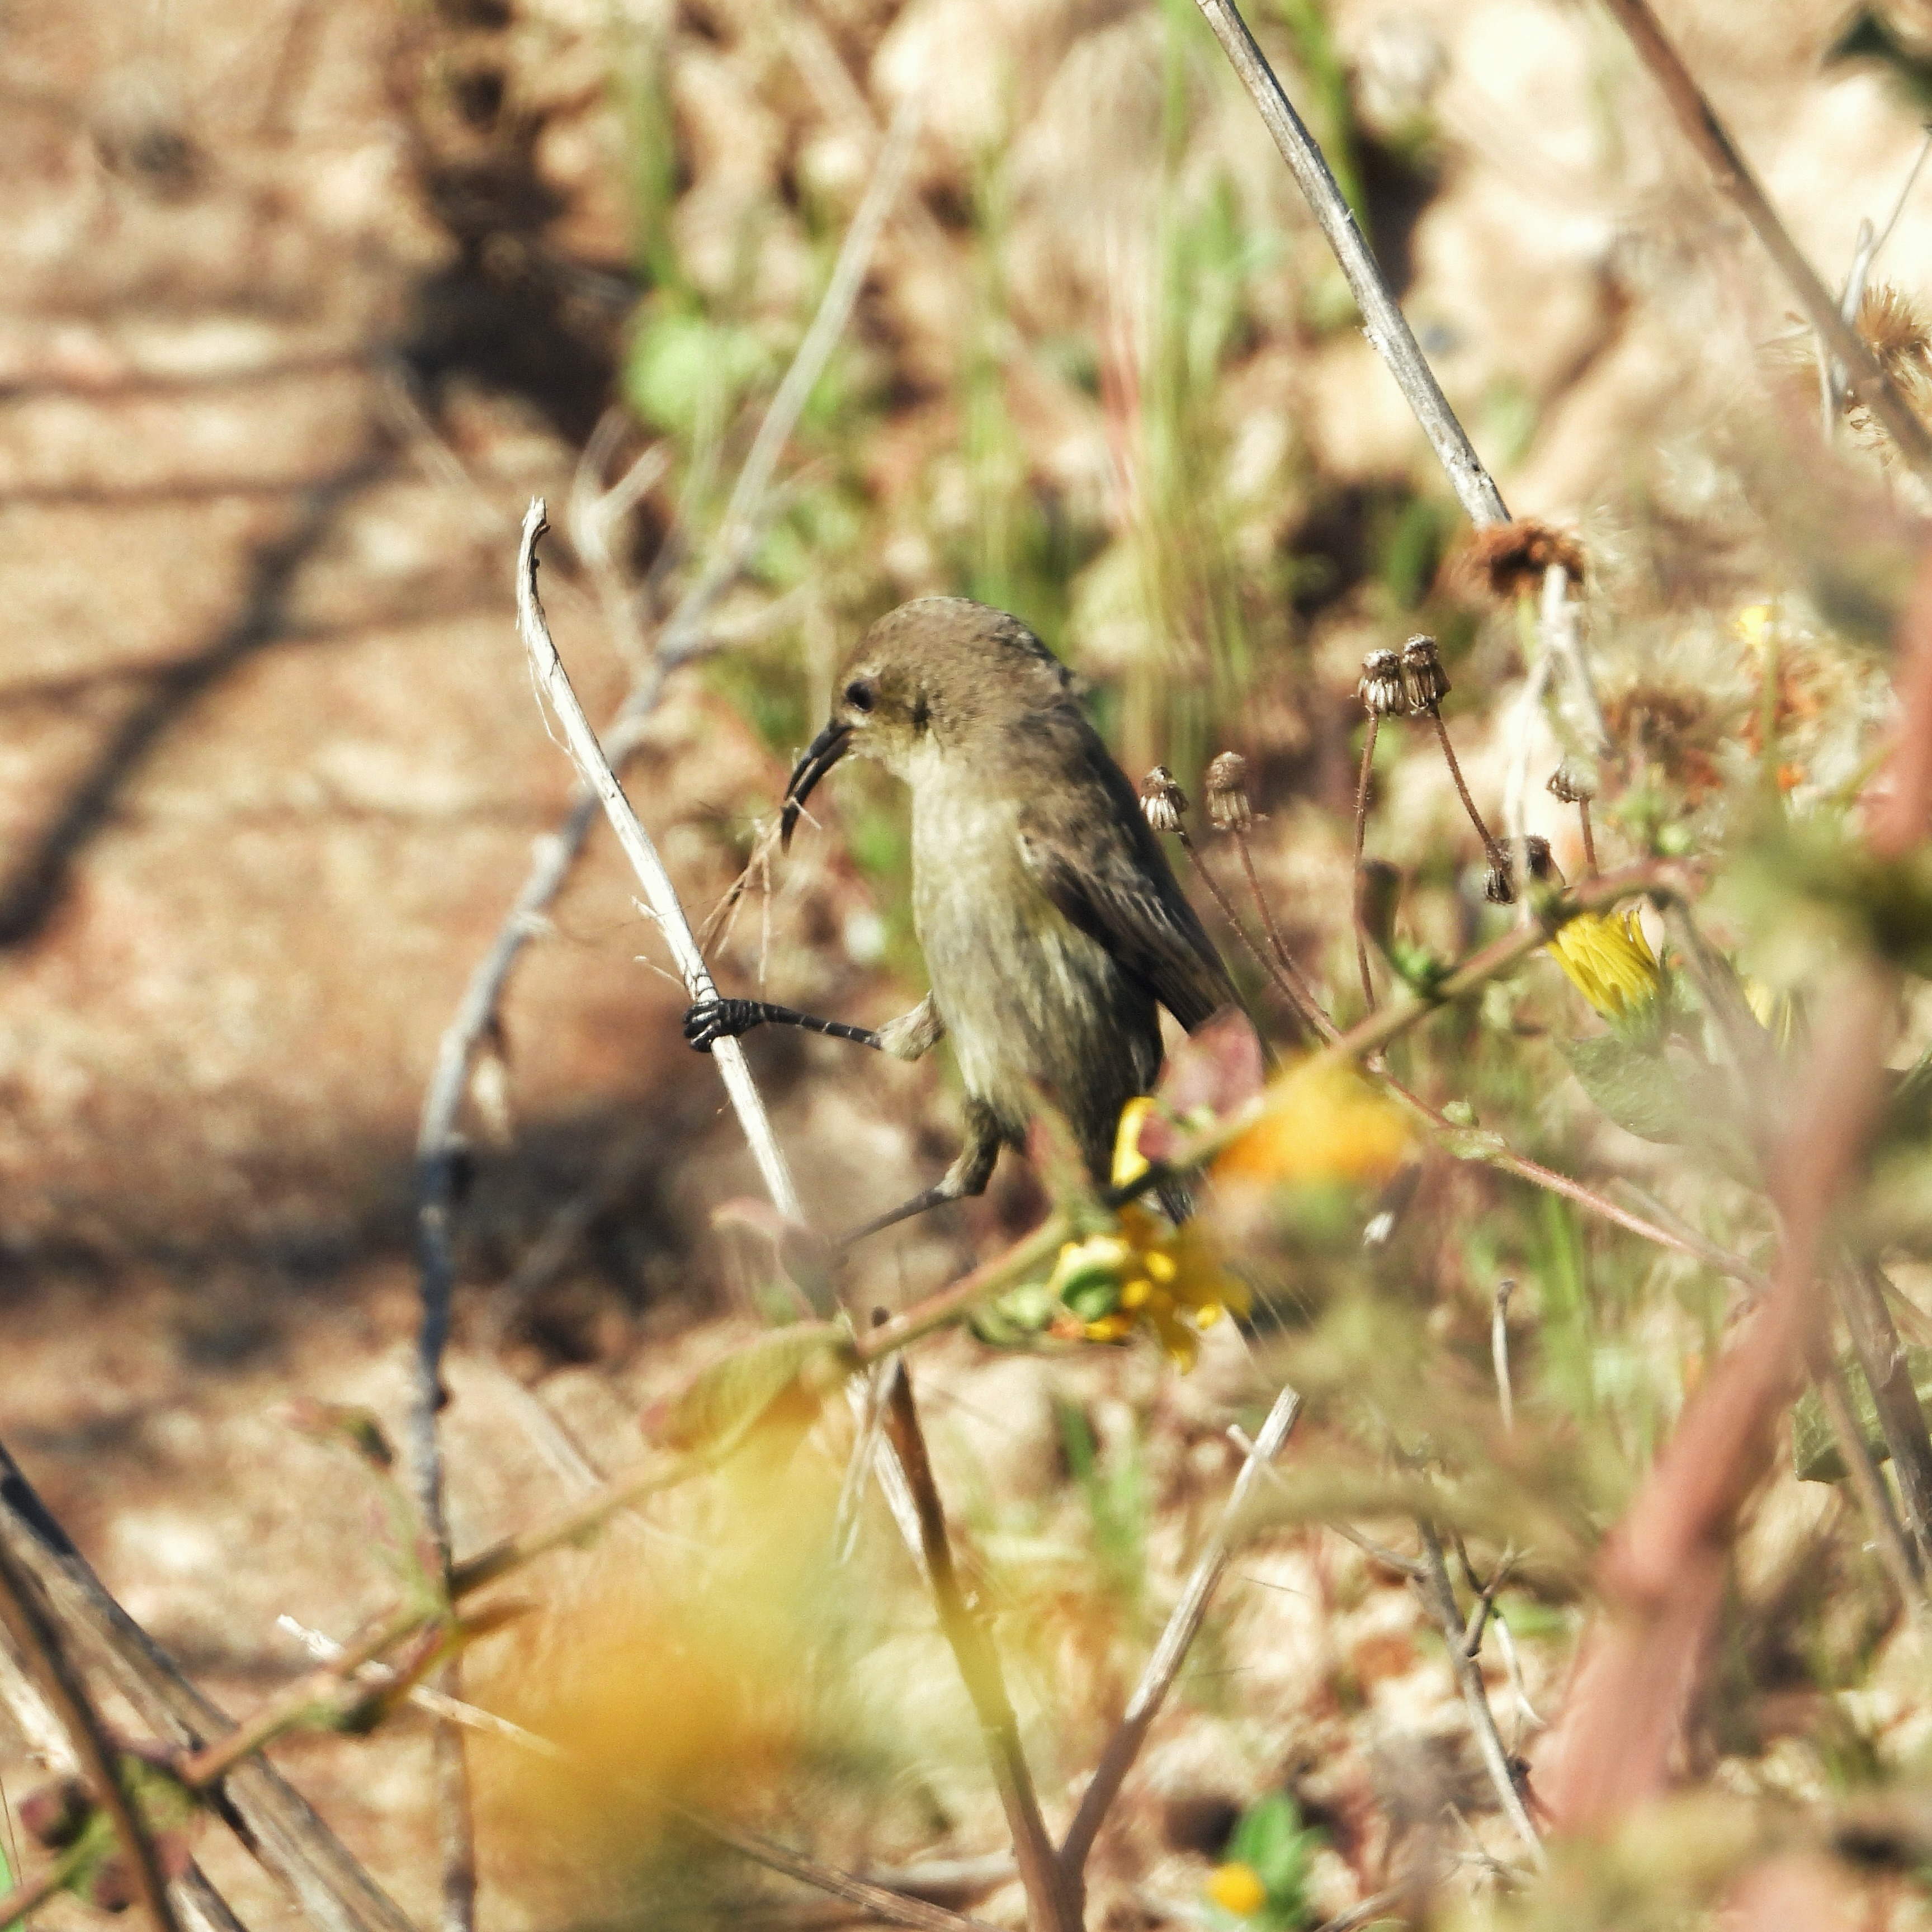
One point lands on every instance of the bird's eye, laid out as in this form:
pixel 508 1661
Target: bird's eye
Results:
pixel 858 694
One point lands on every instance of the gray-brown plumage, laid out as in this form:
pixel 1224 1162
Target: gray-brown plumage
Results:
pixel 1052 926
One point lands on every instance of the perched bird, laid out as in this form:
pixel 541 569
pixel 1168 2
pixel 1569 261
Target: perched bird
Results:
pixel 1052 924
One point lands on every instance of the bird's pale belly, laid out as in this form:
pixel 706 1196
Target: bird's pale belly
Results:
pixel 1029 1000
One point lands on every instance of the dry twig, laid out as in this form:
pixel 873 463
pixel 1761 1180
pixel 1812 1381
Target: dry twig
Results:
pixel 1384 322
pixel 1177 1638
pixel 30 1620
pixel 1440 1595
pixel 1707 134
pixel 269 1815
pixel 1053 1894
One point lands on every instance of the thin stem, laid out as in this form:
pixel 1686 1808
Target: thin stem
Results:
pixel 1440 1595
pixel 1474 1145
pixel 1895 1548
pixel 1561 623
pixel 1882 1355
pixel 1589 837
pixel 1300 1003
pixel 1491 850
pixel 878 1901
pixel 1699 121
pixel 1499 1351
pixel 1384 323
pixel 30 1620
pixel 1052 1896
pixel 594 768
pixel 1183 1626
pixel 1273 931
pixel 1361 838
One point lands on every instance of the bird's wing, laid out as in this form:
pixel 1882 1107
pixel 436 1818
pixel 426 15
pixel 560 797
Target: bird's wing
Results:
pixel 1108 876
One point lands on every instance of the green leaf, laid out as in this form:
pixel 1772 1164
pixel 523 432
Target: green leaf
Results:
pixel 725 1401
pixel 1662 1090
pixel 1270 1838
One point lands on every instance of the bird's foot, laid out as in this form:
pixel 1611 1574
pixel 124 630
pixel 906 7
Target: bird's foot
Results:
pixel 710 1021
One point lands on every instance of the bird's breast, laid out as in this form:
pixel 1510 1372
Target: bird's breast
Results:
pixel 1026 996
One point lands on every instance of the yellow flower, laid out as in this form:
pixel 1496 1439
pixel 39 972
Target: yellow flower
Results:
pixel 1323 1123
pixel 1237 1888
pixel 1608 961
pixel 1753 624
pixel 1148 1272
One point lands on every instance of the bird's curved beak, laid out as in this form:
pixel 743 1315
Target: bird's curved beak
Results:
pixel 821 755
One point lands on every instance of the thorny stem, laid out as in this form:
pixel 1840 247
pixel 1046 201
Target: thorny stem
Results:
pixel 1440 1595
pixel 1361 838
pixel 30 1620
pixel 1728 169
pixel 1183 1625
pixel 877 1901
pixel 1052 1895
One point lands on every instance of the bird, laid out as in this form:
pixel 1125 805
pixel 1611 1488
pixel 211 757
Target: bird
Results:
pixel 1052 925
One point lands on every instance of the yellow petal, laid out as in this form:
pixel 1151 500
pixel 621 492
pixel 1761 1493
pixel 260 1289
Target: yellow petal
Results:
pixel 1237 1888
pixel 1323 1123
pixel 1129 1164
pixel 1608 961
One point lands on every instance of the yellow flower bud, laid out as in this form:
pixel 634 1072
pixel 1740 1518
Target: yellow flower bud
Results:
pixel 1608 961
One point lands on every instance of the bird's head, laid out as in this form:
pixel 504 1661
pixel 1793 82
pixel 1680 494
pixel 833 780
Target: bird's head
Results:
pixel 941 675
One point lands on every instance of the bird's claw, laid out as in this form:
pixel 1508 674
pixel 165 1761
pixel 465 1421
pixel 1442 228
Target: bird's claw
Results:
pixel 710 1021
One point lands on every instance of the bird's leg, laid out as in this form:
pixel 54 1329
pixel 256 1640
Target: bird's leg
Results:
pixel 905 1038
pixel 968 1175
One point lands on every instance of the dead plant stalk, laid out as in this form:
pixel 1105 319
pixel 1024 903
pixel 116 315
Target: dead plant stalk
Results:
pixel 1052 1895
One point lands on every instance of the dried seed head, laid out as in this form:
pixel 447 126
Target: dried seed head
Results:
pixel 1381 689
pixel 1511 558
pixel 1425 684
pixel 1162 800
pixel 1538 863
pixel 1573 782
pixel 1228 793
pixel 1499 881
pixel 1899 336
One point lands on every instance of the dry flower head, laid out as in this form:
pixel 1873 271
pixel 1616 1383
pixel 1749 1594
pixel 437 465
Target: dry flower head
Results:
pixel 1511 559
pixel 1897 332
pixel 1163 803
pixel 1425 683
pixel 1228 793
pixel 1381 689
